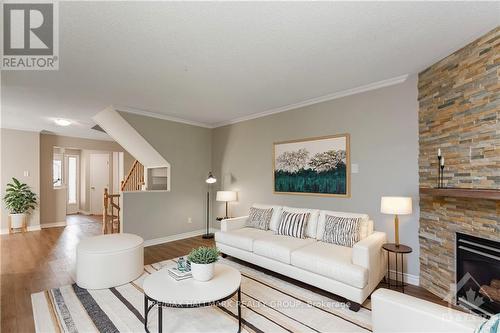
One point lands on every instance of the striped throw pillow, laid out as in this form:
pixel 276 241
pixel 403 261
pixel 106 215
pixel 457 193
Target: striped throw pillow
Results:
pixel 293 224
pixel 343 231
pixel 259 218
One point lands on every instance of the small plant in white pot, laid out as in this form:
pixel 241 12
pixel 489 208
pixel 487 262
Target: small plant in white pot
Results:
pixel 20 200
pixel 202 262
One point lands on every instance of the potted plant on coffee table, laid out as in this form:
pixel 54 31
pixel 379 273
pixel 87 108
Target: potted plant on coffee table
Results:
pixel 20 200
pixel 202 262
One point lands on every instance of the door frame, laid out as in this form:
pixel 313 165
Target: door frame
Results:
pixel 92 192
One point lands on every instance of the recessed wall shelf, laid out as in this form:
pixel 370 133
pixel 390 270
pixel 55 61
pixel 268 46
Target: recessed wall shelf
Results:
pixel 488 194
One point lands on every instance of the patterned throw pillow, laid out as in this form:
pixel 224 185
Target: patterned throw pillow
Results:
pixel 293 224
pixel 259 218
pixel 343 231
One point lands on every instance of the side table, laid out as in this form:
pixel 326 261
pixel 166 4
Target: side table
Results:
pixel 400 250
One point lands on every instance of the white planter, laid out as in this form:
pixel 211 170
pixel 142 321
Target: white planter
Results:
pixel 17 220
pixel 202 272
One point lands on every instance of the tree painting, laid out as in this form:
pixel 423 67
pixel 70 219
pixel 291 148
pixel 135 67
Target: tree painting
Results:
pixel 312 166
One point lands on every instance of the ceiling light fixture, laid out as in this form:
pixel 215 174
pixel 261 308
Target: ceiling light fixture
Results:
pixel 62 122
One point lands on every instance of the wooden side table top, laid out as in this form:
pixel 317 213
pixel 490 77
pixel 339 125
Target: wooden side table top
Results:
pixel 392 247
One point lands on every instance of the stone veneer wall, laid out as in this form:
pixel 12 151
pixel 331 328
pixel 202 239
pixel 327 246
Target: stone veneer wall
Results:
pixel 459 112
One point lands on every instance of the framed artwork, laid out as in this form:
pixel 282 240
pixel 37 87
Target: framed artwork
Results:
pixel 313 166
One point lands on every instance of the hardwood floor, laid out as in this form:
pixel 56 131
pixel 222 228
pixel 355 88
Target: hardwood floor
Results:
pixel 39 260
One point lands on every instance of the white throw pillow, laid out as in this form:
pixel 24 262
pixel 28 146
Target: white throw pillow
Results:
pixel 275 219
pixel 312 223
pixel 366 225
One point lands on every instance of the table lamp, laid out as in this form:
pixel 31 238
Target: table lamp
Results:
pixel 396 206
pixel 226 196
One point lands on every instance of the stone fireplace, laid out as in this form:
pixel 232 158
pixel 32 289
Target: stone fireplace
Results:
pixel 459 103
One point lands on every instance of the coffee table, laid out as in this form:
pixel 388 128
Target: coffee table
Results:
pixel 162 290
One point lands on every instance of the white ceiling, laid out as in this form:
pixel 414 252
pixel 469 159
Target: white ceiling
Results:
pixel 213 62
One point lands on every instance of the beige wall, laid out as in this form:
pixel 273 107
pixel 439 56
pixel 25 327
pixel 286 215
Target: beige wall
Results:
pixel 53 201
pixel 159 214
pixel 20 152
pixel 384 143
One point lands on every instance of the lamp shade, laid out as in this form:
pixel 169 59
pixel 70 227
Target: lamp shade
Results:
pixel 211 179
pixel 226 196
pixel 396 205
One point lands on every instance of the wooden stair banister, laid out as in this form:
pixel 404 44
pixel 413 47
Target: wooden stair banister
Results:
pixel 111 213
pixel 135 178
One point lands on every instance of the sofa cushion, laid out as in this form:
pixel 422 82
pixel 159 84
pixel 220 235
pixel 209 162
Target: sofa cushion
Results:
pixel 275 218
pixel 312 223
pixel 279 247
pixel 366 227
pixel 332 261
pixel 241 238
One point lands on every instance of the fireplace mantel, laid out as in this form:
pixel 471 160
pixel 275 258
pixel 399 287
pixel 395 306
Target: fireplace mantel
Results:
pixel 487 194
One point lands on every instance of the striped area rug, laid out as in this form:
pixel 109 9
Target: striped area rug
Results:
pixel 269 304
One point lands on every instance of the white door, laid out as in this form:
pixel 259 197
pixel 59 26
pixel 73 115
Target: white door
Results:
pixel 99 179
pixel 72 179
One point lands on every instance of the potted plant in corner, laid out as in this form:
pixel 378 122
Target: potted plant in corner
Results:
pixel 202 262
pixel 20 200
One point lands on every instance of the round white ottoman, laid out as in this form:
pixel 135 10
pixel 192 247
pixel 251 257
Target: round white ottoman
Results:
pixel 107 261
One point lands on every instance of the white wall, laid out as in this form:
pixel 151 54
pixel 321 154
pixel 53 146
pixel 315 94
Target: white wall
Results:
pixel 20 152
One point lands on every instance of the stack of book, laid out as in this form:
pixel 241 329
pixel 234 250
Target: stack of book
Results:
pixel 178 275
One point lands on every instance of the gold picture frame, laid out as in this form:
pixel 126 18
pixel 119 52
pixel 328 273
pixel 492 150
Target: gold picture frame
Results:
pixel 327 173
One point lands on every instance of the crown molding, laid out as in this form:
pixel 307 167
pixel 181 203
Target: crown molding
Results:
pixel 316 100
pixel 311 101
pixel 160 116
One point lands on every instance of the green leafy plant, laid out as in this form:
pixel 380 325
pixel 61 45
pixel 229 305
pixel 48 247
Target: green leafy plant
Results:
pixel 19 199
pixel 204 255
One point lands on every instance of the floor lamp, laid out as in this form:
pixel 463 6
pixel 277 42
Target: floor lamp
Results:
pixel 210 180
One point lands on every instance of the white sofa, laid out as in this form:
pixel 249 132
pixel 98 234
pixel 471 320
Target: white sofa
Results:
pixel 394 312
pixel 352 273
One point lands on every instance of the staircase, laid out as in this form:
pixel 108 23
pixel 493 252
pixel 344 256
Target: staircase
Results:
pixel 111 212
pixel 150 172
pixel 134 179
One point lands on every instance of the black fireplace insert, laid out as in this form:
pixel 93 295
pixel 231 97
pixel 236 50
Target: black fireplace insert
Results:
pixel 478 274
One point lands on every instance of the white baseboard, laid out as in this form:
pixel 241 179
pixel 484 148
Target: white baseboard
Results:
pixel 30 228
pixel 167 239
pixel 408 278
pixel 53 225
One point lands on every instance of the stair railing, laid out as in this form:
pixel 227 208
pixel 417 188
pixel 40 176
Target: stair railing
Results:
pixel 134 179
pixel 111 213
